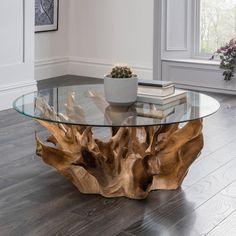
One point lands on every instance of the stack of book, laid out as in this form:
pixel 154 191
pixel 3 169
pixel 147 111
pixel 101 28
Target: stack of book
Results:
pixel 160 92
pixel 161 95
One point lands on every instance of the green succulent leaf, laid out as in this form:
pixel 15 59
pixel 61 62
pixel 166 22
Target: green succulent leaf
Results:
pixel 121 72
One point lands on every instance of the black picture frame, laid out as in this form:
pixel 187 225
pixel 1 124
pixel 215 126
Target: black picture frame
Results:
pixel 46 15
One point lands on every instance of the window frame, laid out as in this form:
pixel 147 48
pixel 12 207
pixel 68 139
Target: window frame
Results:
pixel 196 52
pixel 196 34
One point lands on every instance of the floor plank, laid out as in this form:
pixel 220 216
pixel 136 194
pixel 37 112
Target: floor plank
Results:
pixel 208 215
pixel 226 227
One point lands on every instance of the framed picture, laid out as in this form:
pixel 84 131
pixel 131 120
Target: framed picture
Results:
pixel 46 15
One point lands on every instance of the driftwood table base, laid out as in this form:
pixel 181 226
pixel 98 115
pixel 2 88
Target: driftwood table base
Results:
pixel 132 163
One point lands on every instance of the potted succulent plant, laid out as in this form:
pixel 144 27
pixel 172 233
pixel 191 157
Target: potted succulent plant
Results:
pixel 121 86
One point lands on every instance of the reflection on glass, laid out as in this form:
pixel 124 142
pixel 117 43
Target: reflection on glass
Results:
pixel 85 105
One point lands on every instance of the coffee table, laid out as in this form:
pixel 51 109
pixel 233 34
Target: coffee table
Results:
pixel 117 151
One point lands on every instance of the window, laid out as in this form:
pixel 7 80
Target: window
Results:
pixel 217 24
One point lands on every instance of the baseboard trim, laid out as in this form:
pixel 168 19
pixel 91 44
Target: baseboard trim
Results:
pixel 205 89
pixel 98 68
pixel 49 68
pixel 9 93
pixel 20 85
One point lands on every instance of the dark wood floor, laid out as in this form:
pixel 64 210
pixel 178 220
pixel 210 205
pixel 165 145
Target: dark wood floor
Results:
pixel 35 200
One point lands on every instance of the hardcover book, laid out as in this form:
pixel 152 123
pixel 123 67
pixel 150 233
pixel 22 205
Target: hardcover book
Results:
pixel 156 91
pixel 155 83
pixel 179 94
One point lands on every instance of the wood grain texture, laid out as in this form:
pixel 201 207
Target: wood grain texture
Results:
pixel 212 213
pixel 225 227
pixel 133 162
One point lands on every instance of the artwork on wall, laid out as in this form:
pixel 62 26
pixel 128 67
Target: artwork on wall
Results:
pixel 46 15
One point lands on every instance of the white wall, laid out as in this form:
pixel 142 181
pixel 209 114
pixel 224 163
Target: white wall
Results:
pixel 93 35
pixel 51 48
pixel 16 50
pixel 105 32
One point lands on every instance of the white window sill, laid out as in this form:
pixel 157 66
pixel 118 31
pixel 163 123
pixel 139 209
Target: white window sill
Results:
pixel 194 61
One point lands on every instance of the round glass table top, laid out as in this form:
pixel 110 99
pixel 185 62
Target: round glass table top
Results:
pixel 85 105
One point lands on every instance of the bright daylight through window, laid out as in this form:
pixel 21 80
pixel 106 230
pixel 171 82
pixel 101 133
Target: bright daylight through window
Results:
pixel 217 24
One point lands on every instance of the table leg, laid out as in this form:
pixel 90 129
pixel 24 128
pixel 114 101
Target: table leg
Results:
pixel 132 163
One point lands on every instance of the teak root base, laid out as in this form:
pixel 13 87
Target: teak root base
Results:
pixel 131 164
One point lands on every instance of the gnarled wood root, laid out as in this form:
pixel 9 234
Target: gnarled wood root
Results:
pixel 132 163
